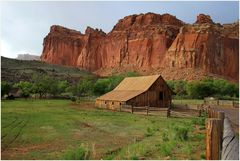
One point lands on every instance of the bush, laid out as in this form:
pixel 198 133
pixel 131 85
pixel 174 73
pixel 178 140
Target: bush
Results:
pixel 204 88
pixel 134 157
pixel 165 149
pixel 181 133
pixel 25 87
pixel 5 88
pixel 73 99
pixel 199 121
pixel 101 86
pixel 150 132
pixel 79 154
pixel 165 137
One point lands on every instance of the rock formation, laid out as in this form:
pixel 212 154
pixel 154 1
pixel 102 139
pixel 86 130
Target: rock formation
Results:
pixel 27 57
pixel 148 43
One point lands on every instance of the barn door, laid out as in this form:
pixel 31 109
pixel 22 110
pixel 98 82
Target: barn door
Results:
pixel 161 98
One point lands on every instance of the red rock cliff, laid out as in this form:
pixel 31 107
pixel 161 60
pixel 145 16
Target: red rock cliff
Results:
pixel 148 42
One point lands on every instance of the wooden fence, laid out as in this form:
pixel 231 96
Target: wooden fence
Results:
pixel 221 142
pixel 146 110
pixel 226 103
pixel 174 111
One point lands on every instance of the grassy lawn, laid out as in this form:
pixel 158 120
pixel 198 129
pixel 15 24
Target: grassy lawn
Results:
pixel 188 101
pixel 59 129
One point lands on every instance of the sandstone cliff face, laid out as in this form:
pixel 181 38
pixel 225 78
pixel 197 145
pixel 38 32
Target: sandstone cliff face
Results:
pixel 146 43
pixel 205 46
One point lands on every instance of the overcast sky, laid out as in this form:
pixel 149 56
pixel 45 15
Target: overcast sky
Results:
pixel 24 24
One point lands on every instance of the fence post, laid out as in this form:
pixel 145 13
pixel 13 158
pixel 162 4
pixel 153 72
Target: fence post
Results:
pixel 132 108
pixel 168 112
pixel 147 108
pixel 221 116
pixel 199 112
pixel 209 113
pixel 213 142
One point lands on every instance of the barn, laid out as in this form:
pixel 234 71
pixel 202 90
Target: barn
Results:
pixel 150 91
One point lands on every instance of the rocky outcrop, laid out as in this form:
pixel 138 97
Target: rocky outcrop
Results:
pixel 27 57
pixel 146 43
pixel 209 47
pixel 202 19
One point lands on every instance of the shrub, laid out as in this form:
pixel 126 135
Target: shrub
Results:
pixel 181 133
pixel 203 156
pixel 204 88
pixel 73 99
pixel 79 154
pixel 5 88
pixel 165 149
pixel 165 137
pixel 25 87
pixel 134 157
pixel 150 132
pixel 199 121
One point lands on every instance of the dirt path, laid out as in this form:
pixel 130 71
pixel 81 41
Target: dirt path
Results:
pixel 232 114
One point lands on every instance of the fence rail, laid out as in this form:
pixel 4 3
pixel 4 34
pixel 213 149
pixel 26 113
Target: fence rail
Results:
pixel 174 111
pixel 227 103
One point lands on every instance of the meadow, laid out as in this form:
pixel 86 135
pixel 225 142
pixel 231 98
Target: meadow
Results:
pixel 61 129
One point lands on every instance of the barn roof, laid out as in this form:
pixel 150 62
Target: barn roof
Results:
pixel 129 88
pixel 119 95
pixel 137 83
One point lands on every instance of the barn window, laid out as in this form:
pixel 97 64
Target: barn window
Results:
pixel 105 102
pixel 112 103
pixel 120 103
pixel 161 95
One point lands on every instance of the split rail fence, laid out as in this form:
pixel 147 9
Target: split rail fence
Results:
pixel 221 142
pixel 174 111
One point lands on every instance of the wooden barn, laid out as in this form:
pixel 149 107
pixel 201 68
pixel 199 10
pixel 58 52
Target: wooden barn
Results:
pixel 150 91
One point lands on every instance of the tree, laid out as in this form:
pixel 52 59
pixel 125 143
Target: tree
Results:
pixel 5 88
pixel 42 84
pixel 25 87
pixel 83 88
pixel 101 86
pixel 62 86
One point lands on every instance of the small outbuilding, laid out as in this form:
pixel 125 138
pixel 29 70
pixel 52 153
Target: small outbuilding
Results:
pixel 150 91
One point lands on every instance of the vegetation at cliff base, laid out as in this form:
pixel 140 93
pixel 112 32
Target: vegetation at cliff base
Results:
pixel 218 88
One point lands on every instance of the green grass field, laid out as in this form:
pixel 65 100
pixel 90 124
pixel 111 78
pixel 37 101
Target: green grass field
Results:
pixel 60 129
pixel 188 101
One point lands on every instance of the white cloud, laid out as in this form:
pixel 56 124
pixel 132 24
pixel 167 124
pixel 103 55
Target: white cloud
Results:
pixel 6 50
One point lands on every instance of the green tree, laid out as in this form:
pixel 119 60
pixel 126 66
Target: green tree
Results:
pixel 83 88
pixel 25 87
pixel 101 86
pixel 42 84
pixel 5 88
pixel 62 86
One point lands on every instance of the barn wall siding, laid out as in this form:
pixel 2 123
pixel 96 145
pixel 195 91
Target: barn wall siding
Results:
pixel 113 105
pixel 151 97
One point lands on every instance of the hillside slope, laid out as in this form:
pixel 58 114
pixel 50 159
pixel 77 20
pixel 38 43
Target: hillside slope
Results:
pixel 13 70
